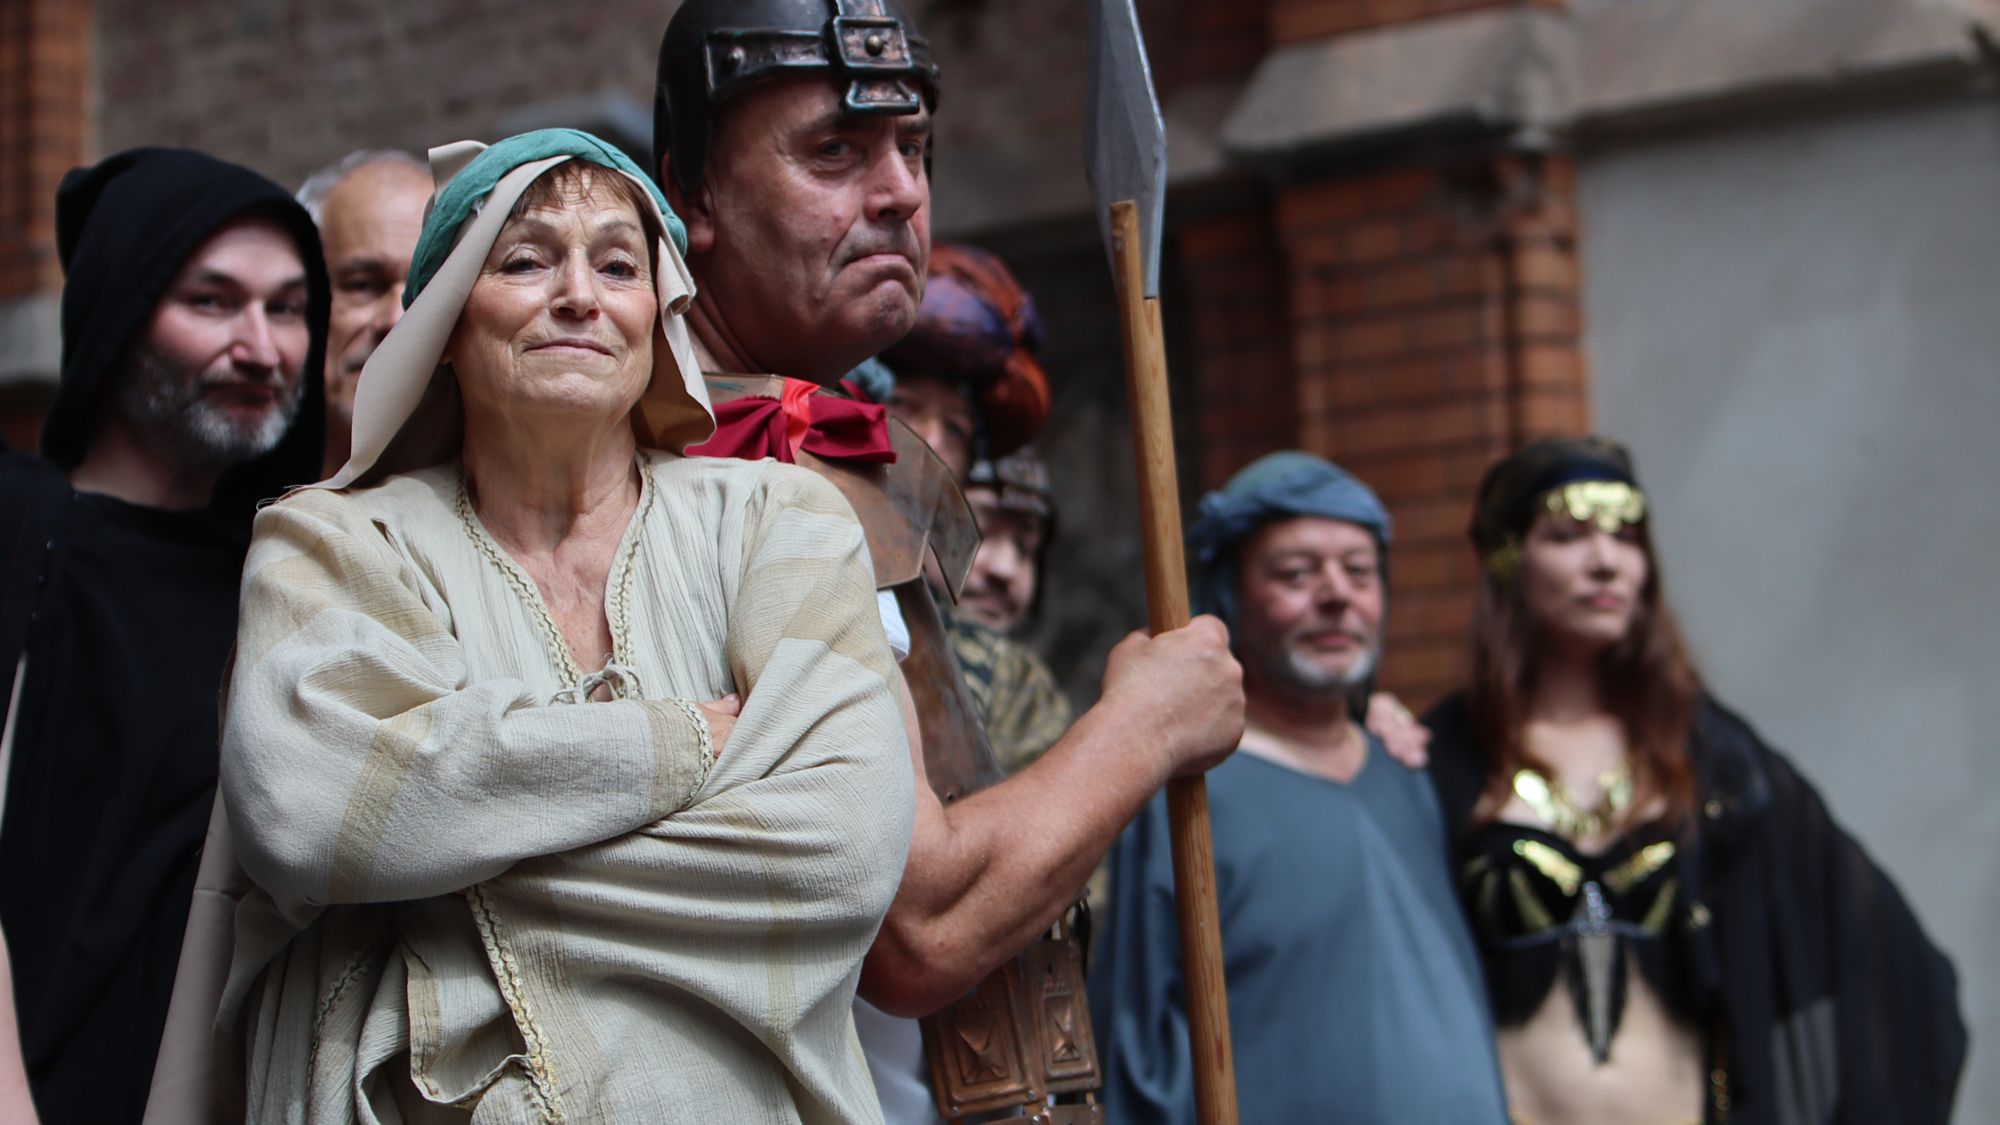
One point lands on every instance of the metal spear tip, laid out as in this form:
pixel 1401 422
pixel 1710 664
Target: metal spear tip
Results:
pixel 1126 151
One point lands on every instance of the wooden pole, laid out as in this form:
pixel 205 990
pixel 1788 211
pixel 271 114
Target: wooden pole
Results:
pixel 1167 603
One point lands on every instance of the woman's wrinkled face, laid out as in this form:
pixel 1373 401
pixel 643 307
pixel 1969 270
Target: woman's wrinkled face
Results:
pixel 561 317
pixel 1581 583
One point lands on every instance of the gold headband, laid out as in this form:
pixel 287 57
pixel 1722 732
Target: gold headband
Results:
pixel 1607 505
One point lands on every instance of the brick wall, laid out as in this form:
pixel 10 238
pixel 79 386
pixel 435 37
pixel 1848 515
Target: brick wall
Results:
pixel 1413 320
pixel 1434 326
pixel 287 87
pixel 44 67
pixel 1199 42
pixel 1243 394
pixel 42 80
pixel 1551 393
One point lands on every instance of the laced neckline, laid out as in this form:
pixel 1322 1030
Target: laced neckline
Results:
pixel 617 673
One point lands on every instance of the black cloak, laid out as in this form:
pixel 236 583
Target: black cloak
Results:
pixel 1827 1001
pixel 126 615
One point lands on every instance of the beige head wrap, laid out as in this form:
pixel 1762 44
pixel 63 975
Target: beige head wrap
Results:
pixel 407 411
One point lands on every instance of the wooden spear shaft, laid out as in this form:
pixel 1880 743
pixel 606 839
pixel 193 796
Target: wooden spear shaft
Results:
pixel 1167 602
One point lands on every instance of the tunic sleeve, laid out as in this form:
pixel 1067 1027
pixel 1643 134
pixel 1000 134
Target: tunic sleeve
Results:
pixel 792 850
pixel 359 765
pixel 818 760
pixel 805 583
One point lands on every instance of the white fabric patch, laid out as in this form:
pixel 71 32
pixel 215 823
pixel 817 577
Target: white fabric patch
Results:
pixel 893 624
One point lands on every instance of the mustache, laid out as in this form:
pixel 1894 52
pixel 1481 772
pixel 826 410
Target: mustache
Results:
pixel 1358 636
pixel 273 376
pixel 898 239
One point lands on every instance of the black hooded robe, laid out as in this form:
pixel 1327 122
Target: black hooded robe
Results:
pixel 125 615
pixel 1828 1002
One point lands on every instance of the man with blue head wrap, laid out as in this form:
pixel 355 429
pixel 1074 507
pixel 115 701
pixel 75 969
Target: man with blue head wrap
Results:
pixel 1274 489
pixel 1352 980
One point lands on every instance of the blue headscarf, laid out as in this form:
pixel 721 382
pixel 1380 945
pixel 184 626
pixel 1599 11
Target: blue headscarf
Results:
pixel 1276 486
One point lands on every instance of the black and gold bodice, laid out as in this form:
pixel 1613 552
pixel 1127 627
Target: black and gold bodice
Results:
pixel 1540 907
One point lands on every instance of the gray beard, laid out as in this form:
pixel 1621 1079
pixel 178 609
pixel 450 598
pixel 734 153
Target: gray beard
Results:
pixel 1315 679
pixel 166 401
pixel 1284 668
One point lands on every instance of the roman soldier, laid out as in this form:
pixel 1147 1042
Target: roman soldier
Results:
pixel 794 137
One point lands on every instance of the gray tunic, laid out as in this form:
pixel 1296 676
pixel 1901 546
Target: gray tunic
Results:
pixel 1354 989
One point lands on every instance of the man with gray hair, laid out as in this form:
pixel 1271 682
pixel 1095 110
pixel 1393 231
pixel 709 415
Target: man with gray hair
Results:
pixel 1352 978
pixel 370 207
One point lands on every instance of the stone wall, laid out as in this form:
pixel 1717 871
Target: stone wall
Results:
pixel 1794 326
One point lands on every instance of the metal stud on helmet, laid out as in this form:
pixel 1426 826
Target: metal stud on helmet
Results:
pixel 713 50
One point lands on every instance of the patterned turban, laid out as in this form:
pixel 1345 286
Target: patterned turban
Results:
pixel 978 328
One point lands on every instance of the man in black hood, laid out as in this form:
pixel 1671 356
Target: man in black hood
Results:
pixel 194 318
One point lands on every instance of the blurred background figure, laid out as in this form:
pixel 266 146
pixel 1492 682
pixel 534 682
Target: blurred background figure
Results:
pixel 967 379
pixel 194 317
pixel 1353 984
pixel 1015 504
pixel 370 208
pixel 1674 927
pixel 969 376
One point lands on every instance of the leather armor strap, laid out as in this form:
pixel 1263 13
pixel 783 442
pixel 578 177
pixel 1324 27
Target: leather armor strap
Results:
pixel 1022 1036
pixel 1019 1040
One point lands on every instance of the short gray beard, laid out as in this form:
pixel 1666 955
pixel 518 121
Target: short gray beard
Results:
pixel 1285 667
pixel 166 400
pixel 1314 678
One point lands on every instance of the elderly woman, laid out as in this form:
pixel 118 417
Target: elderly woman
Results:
pixel 506 868
pixel 1674 928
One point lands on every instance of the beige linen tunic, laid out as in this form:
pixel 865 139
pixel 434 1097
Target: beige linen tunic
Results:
pixel 477 901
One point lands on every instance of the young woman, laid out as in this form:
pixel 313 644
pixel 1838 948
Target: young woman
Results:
pixel 1673 928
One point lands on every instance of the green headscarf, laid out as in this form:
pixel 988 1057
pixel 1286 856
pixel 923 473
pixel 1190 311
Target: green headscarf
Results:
pixel 407 411
pixel 461 198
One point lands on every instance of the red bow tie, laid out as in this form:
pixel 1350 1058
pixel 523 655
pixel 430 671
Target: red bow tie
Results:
pixel 824 425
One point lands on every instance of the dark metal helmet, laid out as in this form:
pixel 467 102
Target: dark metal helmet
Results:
pixel 1022 480
pixel 715 49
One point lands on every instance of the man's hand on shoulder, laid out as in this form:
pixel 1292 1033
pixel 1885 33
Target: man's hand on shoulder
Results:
pixel 1407 740
pixel 1184 691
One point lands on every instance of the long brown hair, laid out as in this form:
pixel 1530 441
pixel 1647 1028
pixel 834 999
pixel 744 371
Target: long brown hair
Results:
pixel 1646 680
